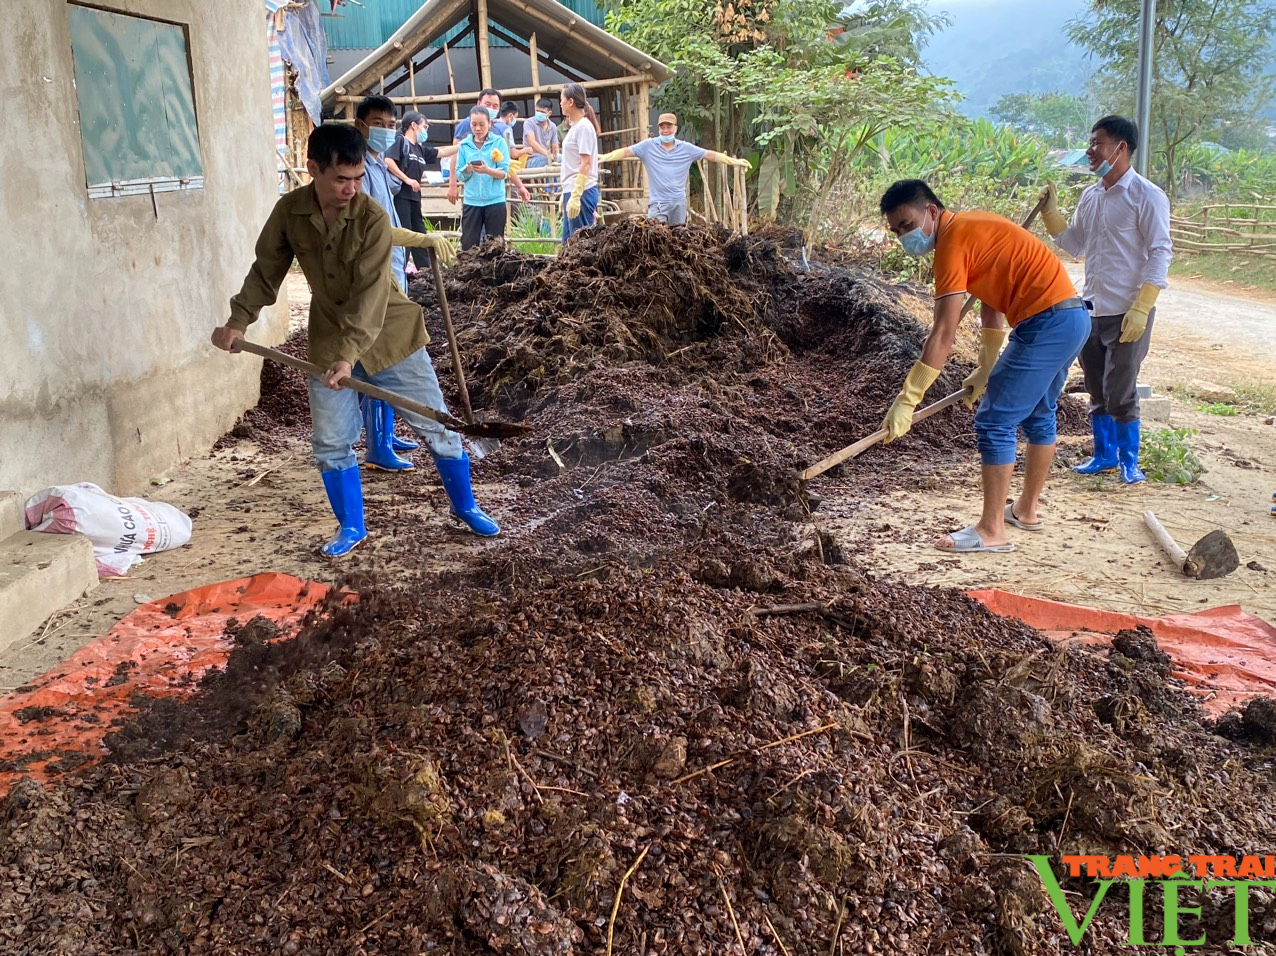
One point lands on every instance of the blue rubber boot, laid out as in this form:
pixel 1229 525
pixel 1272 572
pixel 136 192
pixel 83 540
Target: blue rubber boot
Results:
pixel 1128 435
pixel 1105 446
pixel 455 473
pixel 345 494
pixel 378 452
pixel 396 443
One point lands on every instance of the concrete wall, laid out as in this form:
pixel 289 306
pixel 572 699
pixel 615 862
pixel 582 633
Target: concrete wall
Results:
pixel 105 307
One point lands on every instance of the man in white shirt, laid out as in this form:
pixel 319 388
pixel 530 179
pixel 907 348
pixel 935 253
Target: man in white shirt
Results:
pixel 668 160
pixel 1122 228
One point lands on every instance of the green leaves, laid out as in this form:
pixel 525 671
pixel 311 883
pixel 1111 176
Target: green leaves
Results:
pixel 1166 456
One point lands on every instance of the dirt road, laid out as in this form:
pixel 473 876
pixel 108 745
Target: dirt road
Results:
pixel 1214 313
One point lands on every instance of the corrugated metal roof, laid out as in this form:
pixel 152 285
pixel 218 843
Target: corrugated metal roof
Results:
pixel 368 26
pixel 561 34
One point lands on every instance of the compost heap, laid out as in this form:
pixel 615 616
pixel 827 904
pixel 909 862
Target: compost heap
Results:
pixel 665 716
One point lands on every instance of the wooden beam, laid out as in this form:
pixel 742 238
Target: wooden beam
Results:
pixel 421 64
pixel 482 42
pixel 545 58
pixel 577 39
pixel 517 92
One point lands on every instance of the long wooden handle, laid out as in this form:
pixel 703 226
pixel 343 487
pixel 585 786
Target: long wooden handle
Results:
pixel 372 391
pixel 451 337
pixel 1036 211
pixel 1168 544
pixel 850 451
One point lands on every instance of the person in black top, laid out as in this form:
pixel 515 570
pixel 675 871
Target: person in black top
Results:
pixel 406 160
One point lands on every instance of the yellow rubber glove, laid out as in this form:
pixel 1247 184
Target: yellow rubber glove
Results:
pixel 497 157
pixel 1135 322
pixel 1050 215
pixel 990 343
pixel 424 240
pixel 573 201
pixel 613 156
pixel 899 417
pixel 733 161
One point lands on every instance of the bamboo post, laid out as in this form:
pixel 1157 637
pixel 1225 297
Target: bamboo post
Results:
pixel 644 124
pixel 412 77
pixel 728 202
pixel 382 90
pixel 451 86
pixel 742 194
pixel 483 41
pixel 536 66
pixel 710 210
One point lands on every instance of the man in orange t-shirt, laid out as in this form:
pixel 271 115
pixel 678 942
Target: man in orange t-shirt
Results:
pixel 1014 275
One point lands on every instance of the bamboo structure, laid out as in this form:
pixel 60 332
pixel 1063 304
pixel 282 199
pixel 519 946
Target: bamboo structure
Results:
pixel 618 77
pixel 1244 235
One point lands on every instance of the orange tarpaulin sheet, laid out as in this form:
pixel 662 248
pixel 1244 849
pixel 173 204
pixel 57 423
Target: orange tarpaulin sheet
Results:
pixel 1225 655
pixel 161 649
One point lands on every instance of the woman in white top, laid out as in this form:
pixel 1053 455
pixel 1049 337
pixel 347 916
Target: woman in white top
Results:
pixel 579 178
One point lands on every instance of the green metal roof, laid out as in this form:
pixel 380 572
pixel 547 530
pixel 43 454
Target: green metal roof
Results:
pixel 366 27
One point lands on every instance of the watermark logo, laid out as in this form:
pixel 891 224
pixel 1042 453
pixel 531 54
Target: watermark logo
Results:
pixel 1164 876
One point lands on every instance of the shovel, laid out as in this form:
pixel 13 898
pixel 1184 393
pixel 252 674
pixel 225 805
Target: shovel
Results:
pixel 850 451
pixel 484 430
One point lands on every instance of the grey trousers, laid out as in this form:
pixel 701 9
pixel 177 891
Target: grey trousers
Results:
pixel 1111 368
pixel 674 213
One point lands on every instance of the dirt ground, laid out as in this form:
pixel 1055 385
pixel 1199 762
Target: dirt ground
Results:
pixel 265 511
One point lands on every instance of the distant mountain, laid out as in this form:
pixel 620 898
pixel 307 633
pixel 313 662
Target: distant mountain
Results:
pixel 995 47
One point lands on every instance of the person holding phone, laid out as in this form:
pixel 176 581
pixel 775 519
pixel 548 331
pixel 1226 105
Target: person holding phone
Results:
pixel 483 164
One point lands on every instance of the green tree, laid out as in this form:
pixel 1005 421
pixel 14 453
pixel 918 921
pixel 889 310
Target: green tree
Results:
pixel 801 88
pixel 1210 68
pixel 1057 119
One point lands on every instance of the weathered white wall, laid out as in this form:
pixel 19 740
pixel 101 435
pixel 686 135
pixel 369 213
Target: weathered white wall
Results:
pixel 105 308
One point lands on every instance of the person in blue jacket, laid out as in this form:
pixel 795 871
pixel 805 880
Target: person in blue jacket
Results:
pixel 483 165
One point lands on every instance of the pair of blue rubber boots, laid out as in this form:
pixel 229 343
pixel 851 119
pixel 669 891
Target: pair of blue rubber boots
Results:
pixel 1116 447
pixel 345 488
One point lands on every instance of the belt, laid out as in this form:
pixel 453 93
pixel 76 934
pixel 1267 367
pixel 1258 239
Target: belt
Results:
pixel 1073 303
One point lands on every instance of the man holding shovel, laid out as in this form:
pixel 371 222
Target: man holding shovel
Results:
pixel 362 326
pixel 1015 276
pixel 1122 228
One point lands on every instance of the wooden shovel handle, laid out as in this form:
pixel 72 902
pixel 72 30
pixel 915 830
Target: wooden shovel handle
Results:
pixel 372 391
pixel 850 451
pixel 451 337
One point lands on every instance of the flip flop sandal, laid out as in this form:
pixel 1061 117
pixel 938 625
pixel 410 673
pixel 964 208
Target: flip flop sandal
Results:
pixel 1021 525
pixel 967 539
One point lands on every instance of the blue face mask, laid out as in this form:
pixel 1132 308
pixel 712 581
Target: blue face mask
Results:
pixel 380 139
pixel 542 118
pixel 917 243
pixel 1105 167
pixel 492 113
pixel 666 139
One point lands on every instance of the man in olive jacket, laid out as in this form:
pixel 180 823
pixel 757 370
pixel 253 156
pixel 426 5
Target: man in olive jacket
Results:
pixel 362 326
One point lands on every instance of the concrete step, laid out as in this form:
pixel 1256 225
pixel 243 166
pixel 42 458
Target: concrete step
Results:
pixel 39 575
pixel 12 514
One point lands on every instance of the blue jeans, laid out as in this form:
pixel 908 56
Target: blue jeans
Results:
pixel 337 423
pixel 588 206
pixel 1024 387
pixel 536 161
